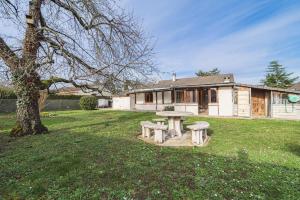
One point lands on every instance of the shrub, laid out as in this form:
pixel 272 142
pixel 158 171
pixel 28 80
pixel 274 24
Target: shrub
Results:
pixel 88 102
pixel 169 108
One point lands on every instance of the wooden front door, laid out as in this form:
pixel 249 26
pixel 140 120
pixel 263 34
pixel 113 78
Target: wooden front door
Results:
pixel 258 103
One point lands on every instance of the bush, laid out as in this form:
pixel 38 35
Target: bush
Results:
pixel 169 108
pixel 88 102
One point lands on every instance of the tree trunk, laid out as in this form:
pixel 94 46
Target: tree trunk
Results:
pixel 28 115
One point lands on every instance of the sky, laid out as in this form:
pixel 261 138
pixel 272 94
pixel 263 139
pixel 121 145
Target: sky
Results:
pixel 239 37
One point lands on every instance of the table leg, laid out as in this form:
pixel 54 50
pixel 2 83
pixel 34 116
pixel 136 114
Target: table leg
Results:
pixel 177 124
pixel 171 123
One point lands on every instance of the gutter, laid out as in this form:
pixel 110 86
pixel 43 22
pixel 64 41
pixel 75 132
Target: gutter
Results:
pixel 177 87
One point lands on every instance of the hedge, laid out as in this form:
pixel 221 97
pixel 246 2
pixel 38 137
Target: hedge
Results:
pixel 8 93
pixel 88 103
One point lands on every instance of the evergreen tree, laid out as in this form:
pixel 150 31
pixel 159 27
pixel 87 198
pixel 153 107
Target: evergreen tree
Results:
pixel 276 76
pixel 214 71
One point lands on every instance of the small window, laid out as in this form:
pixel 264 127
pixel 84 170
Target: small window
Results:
pixel 213 96
pixel 149 97
pixel 190 96
pixel 179 96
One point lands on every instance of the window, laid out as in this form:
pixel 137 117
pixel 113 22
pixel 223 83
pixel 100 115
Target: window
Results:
pixel 179 96
pixel 280 98
pixel 213 95
pixel 190 96
pixel 149 97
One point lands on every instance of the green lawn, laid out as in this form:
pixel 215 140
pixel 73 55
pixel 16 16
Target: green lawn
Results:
pixel 96 155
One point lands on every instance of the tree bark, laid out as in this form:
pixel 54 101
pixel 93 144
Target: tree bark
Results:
pixel 28 115
pixel 26 80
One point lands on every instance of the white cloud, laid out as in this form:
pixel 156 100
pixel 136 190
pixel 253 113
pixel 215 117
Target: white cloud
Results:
pixel 244 51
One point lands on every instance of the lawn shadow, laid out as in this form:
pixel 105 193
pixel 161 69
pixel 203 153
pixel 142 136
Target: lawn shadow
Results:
pixel 293 148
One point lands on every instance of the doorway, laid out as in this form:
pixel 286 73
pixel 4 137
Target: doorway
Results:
pixel 203 101
pixel 258 99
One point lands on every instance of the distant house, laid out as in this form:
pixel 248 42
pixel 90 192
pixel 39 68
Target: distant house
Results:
pixel 104 99
pixel 215 96
pixel 79 92
pixel 296 87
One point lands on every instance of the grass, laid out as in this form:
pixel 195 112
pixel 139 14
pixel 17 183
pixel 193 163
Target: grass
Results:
pixel 96 155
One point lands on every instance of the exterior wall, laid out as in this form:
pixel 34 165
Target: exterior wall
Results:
pixel 235 110
pixel 140 98
pixel 225 101
pixel 121 103
pixel 168 97
pixel 286 111
pixel 213 109
pixel 145 107
pixel 190 107
pixel 103 103
pixel 243 107
pixel 159 98
pixel 132 101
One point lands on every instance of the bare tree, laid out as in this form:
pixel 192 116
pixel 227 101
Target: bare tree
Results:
pixel 77 42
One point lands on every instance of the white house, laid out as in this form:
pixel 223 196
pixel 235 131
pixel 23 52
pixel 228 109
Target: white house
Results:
pixel 215 96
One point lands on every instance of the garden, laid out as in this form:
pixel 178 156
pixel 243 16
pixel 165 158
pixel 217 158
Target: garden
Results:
pixel 97 155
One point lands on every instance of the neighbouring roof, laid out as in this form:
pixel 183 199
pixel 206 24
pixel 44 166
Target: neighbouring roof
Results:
pixel 78 91
pixel 262 87
pixel 222 79
pixel 296 87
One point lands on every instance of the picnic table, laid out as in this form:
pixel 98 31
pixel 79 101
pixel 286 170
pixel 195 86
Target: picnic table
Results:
pixel 174 120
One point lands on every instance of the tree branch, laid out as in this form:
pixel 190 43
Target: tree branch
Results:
pixel 8 56
pixel 46 84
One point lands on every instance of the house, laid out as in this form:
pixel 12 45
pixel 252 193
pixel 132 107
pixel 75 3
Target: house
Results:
pixel 296 87
pixel 104 99
pixel 217 95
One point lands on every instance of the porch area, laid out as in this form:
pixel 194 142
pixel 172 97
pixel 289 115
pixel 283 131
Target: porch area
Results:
pixel 199 101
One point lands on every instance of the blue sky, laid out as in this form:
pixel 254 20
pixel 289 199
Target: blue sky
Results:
pixel 239 37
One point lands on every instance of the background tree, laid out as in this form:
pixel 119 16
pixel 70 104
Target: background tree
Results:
pixel 214 71
pixel 76 42
pixel 276 76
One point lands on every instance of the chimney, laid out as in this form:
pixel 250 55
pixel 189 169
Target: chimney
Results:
pixel 174 77
pixel 227 79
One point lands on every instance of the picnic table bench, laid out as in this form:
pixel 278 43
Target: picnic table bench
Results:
pixel 159 131
pixel 199 132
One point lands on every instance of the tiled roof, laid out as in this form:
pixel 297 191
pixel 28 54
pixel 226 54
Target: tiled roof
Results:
pixel 194 81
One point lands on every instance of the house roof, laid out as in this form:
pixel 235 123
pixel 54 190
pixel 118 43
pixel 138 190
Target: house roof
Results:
pixel 296 87
pixel 190 82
